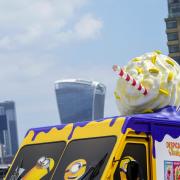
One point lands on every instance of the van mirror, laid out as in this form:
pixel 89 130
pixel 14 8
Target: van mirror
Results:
pixel 134 171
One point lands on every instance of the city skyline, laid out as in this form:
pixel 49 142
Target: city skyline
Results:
pixel 41 41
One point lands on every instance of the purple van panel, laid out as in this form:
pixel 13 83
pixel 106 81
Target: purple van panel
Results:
pixel 158 124
pixel 44 129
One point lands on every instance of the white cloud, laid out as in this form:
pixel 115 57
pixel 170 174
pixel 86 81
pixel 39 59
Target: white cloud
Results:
pixel 40 22
pixel 88 27
pixel 5 42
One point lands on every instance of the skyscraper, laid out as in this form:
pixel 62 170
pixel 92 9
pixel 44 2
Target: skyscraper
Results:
pixel 173 29
pixel 79 100
pixel 8 135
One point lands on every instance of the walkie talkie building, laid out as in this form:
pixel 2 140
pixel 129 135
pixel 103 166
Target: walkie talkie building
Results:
pixel 80 100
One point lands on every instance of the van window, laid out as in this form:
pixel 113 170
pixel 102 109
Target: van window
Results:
pixel 36 161
pixel 81 156
pixel 133 151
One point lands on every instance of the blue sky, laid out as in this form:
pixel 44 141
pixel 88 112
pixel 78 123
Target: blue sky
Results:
pixel 42 41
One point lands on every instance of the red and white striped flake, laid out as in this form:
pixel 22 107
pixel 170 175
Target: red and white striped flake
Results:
pixel 130 80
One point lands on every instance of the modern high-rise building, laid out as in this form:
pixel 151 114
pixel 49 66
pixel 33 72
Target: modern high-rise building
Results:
pixel 80 100
pixel 8 135
pixel 173 29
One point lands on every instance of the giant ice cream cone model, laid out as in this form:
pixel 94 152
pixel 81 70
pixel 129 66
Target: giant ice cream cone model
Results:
pixel 148 82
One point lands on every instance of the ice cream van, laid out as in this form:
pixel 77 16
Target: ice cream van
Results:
pixel 135 147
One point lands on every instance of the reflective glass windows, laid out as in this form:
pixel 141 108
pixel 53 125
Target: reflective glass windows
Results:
pixel 99 100
pixel 175 11
pixel 174 1
pixel 174 8
pixel 177 59
pixel 80 100
pixel 171 24
pixel 75 102
pixel 172 36
pixel 173 48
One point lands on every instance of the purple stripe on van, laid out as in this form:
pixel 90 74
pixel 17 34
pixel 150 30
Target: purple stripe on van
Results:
pixel 162 122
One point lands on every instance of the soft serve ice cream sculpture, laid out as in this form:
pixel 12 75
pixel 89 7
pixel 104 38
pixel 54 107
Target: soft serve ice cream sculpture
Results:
pixel 149 82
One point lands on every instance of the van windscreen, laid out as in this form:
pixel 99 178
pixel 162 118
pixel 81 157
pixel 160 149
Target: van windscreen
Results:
pixel 36 161
pixel 85 158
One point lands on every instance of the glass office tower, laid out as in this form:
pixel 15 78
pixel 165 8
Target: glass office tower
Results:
pixel 173 29
pixel 3 124
pixel 79 100
pixel 9 137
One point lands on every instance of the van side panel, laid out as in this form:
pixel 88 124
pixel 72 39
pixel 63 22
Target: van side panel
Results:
pixel 168 158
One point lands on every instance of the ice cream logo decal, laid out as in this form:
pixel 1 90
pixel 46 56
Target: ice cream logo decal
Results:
pixel 173 148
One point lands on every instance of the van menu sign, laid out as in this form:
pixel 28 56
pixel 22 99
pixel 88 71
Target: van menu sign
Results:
pixel 168 158
pixel 173 148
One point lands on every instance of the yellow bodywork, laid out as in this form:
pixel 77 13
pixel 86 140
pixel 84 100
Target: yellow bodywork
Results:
pixel 106 127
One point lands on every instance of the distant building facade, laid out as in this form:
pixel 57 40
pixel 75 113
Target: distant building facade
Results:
pixel 79 100
pixel 8 135
pixel 173 29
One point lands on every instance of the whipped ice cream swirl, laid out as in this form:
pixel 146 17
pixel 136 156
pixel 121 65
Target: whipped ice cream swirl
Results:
pixel 155 73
